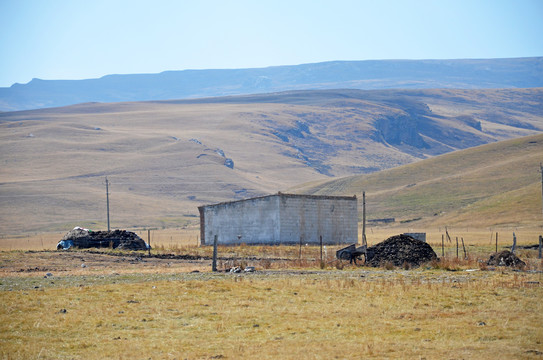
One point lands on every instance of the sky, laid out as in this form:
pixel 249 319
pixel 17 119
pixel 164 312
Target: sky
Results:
pixel 82 39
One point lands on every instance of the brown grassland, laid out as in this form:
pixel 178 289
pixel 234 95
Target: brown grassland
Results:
pixel 125 305
pixel 163 160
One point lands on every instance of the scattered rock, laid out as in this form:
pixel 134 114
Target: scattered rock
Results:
pixel 229 163
pixel 505 258
pixel 400 250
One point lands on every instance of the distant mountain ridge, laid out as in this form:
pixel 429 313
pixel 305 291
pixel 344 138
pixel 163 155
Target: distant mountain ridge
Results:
pixel 366 75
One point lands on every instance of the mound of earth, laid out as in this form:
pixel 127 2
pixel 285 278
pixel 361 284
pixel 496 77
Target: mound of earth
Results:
pixel 505 258
pixel 400 250
pixel 116 239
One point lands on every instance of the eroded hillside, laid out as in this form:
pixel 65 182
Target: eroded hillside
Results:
pixel 165 158
pixel 489 186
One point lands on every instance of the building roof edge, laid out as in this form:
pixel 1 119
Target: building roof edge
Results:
pixel 284 195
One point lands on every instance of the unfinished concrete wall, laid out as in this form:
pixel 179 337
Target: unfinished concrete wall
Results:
pixel 309 217
pixel 281 219
pixel 252 221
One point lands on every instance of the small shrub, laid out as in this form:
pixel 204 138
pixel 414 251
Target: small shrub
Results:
pixel 482 265
pixel 389 265
pixel 446 264
pixel 265 263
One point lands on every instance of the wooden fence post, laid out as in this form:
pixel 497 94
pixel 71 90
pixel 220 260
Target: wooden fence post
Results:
pixel 514 247
pixel 214 264
pixel 540 245
pixel 496 241
pixel 442 245
pixel 300 252
pixel 149 240
pixel 457 247
pixel 463 247
pixel 320 240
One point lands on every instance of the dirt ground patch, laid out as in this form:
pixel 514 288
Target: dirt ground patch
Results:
pixel 94 262
pixel 107 266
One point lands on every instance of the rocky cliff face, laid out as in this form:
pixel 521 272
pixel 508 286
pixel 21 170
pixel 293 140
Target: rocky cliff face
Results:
pixel 400 130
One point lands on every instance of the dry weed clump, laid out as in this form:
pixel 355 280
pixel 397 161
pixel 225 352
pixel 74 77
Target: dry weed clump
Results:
pixel 451 263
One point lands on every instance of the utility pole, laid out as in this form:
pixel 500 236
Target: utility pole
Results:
pixel 364 242
pixel 541 171
pixel 107 200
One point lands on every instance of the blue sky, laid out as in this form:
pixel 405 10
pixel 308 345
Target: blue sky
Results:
pixel 77 39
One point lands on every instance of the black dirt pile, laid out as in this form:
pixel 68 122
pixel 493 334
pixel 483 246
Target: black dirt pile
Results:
pixel 505 258
pixel 116 239
pixel 400 250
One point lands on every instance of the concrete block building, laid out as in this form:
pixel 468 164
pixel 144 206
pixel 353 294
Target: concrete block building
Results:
pixel 281 219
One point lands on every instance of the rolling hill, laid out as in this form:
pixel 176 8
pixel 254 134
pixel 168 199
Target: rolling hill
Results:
pixel 165 158
pixel 493 185
pixel 369 75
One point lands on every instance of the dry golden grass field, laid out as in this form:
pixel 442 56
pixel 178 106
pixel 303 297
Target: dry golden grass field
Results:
pixel 129 305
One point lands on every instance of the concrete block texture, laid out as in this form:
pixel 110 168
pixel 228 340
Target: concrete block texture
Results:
pixel 281 219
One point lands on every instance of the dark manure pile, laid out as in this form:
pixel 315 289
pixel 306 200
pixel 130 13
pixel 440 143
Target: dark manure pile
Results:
pixel 115 239
pixel 505 258
pixel 400 250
